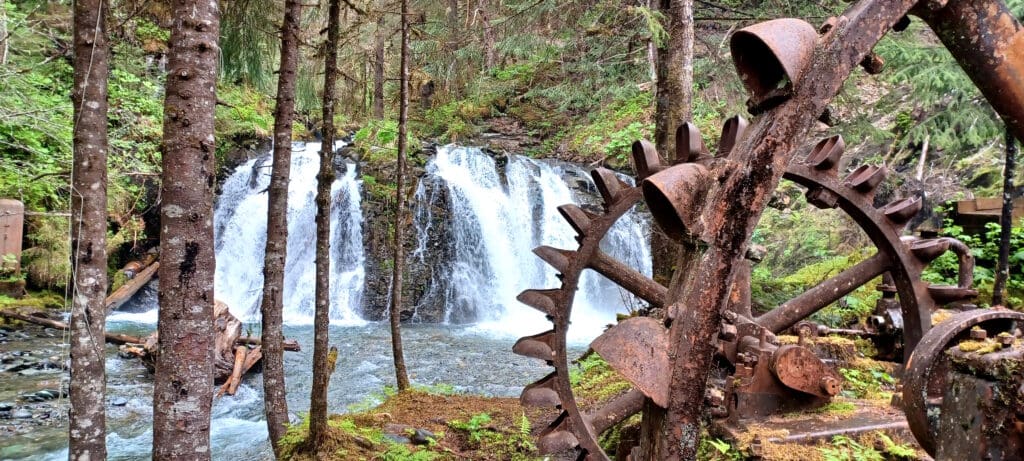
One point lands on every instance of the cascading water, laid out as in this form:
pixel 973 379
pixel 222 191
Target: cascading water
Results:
pixel 497 216
pixel 241 233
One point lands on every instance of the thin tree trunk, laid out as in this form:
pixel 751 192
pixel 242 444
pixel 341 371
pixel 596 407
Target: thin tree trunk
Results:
pixel 378 70
pixel 3 33
pixel 1005 221
pixel 652 57
pixel 672 108
pixel 183 383
pixel 272 304
pixel 318 397
pixel 923 159
pixel 399 257
pixel 490 53
pixel 87 425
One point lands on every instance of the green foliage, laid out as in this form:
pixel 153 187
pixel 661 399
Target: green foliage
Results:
pixel 402 452
pixel 866 381
pixel 476 428
pixel 714 449
pixel 844 448
pixel 515 445
pixel 614 128
pixel 146 30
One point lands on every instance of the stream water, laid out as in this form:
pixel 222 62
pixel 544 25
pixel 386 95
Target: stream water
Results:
pixel 497 213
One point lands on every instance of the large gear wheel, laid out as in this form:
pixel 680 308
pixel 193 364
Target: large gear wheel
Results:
pixel 642 344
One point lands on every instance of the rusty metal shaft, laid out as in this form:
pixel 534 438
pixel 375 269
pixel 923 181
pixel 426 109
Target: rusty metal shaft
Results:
pixel 629 278
pixel 823 294
pixel 988 42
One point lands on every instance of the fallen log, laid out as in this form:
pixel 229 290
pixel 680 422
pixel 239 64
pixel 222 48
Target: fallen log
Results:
pixel 230 386
pixel 113 338
pixel 123 294
pixel 290 345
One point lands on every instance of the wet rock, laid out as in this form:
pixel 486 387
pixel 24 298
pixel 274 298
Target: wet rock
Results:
pixel 119 402
pixel 422 437
pixel 21 413
pixel 397 438
pixel 6 406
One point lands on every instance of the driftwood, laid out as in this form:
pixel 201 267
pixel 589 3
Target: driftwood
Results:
pixel 113 338
pixel 231 385
pixel 123 294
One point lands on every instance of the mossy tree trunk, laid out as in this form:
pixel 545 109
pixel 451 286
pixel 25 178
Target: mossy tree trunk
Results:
pixel 1005 221
pixel 87 425
pixel 674 95
pixel 321 337
pixel 182 388
pixel 378 69
pixel 272 304
pixel 401 375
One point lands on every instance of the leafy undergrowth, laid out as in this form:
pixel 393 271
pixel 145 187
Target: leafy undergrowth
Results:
pixel 463 427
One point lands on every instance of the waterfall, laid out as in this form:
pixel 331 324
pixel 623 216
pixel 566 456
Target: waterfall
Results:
pixel 497 215
pixel 240 226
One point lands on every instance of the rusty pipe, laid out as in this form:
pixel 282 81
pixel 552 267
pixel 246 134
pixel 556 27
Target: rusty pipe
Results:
pixel 965 270
pixel 823 294
pixel 988 43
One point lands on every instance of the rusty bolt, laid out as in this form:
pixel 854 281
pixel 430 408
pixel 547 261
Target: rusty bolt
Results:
pixel 872 64
pixel 830 385
pixel 978 334
pixel 757 449
pixel 1005 339
pixel 730 316
pixel 727 332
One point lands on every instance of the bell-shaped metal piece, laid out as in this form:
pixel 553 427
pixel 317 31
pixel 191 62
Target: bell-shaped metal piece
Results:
pixel 770 56
pixel 675 196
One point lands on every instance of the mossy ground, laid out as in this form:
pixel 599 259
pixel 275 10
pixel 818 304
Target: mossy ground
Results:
pixel 465 426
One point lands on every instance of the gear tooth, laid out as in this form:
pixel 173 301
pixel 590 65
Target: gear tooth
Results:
pixel 541 393
pixel 553 439
pixel 689 143
pixel 537 346
pixel 645 159
pixel 825 155
pixel 927 250
pixel 557 442
pixel 542 300
pixel 609 185
pixel 903 210
pixel 732 133
pixel 577 218
pixel 866 178
pixel 945 294
pixel 559 259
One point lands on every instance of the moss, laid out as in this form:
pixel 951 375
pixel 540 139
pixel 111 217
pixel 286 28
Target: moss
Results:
pixel 837 408
pixel 36 300
pixel 981 347
pixel 593 380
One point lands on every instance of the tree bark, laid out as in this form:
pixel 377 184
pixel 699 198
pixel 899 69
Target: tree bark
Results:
pixel 318 397
pixel 272 303
pixel 182 388
pixel 401 375
pixel 490 52
pixel 87 425
pixel 673 103
pixel 1005 221
pixel 378 69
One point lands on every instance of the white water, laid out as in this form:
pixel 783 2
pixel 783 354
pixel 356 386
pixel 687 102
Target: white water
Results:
pixel 240 220
pixel 498 215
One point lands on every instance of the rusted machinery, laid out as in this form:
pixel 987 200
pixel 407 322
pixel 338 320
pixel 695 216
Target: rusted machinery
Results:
pixel 777 61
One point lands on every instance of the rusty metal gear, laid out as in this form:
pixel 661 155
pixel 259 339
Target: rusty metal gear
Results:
pixel 638 348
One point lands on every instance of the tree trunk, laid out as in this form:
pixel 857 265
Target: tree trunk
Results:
pixel 399 257
pixel 3 33
pixel 674 85
pixel 87 425
pixel 1005 221
pixel 182 388
pixel 378 69
pixel 272 304
pixel 318 397
pixel 490 52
